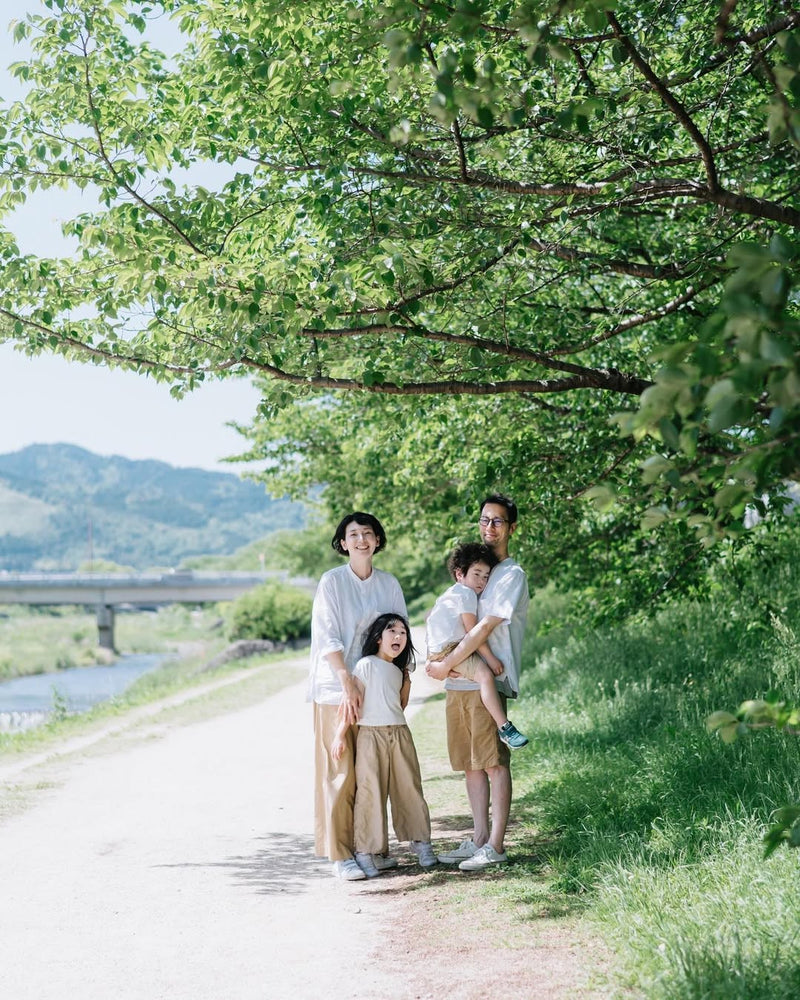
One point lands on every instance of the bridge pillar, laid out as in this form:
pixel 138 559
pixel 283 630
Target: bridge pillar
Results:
pixel 105 626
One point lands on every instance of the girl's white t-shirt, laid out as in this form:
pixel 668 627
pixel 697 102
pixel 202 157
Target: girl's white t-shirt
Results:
pixel 344 607
pixel 382 682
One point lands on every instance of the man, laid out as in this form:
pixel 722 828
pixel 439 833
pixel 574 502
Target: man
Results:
pixel 472 740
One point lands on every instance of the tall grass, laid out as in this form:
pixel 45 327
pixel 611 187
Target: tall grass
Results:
pixel 653 822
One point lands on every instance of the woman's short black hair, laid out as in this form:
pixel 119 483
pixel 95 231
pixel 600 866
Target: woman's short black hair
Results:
pixel 357 517
pixel 371 639
pixel 463 556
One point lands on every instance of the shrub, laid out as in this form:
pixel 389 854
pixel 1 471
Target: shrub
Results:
pixel 272 611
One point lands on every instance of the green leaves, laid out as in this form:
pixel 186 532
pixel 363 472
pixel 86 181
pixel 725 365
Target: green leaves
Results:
pixel 483 206
pixel 727 726
pixel 758 714
pixel 785 829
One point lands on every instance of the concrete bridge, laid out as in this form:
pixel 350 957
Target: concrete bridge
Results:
pixel 106 592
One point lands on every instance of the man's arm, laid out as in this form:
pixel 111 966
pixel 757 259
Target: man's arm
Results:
pixel 471 642
pixel 496 666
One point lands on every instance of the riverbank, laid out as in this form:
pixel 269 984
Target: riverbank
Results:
pixel 32 700
pixel 49 640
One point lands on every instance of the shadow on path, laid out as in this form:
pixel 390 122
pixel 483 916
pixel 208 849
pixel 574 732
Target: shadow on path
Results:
pixel 286 864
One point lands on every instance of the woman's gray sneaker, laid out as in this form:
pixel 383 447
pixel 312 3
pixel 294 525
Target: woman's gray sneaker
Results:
pixel 424 851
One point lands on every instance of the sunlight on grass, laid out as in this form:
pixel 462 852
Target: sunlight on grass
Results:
pixel 631 808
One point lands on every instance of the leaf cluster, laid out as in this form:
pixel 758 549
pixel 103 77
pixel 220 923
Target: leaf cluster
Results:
pixel 567 229
pixel 760 713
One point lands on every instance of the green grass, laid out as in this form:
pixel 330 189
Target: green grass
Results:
pixel 190 638
pixel 185 675
pixel 630 816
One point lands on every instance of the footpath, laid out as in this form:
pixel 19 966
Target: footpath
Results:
pixel 178 864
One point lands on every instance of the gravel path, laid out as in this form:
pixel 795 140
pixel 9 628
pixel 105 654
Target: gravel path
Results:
pixel 180 864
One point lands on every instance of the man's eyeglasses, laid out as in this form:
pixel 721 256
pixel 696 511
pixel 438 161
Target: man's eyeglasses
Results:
pixel 495 522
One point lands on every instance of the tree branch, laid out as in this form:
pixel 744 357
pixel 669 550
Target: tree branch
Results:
pixel 670 100
pixel 94 114
pixel 641 319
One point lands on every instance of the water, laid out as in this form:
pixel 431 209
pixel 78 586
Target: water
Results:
pixel 28 701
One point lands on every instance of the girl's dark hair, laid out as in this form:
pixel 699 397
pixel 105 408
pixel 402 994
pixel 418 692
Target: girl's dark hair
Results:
pixel 357 517
pixel 371 640
pixel 464 555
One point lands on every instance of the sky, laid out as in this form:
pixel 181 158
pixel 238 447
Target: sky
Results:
pixel 47 400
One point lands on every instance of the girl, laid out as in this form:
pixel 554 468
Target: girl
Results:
pixel 386 759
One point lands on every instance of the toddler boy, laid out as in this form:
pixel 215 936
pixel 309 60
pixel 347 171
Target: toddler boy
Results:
pixel 453 615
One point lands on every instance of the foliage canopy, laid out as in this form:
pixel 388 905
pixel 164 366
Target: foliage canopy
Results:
pixel 550 246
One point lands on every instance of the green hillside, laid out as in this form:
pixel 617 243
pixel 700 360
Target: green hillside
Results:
pixel 61 505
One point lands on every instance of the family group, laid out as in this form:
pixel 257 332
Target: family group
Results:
pixel 361 658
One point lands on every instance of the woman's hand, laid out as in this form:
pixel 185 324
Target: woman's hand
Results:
pixel 352 700
pixel 337 748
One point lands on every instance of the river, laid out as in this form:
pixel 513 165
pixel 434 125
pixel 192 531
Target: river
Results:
pixel 28 701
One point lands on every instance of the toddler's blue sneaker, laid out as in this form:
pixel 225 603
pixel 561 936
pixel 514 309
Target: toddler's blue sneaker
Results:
pixel 511 736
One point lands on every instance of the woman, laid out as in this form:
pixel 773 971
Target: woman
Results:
pixel 347 601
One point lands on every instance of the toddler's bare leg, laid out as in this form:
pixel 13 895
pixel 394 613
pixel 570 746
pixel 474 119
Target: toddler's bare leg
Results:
pixel 489 695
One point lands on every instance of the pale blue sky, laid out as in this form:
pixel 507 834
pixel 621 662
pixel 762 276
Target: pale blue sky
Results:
pixel 46 399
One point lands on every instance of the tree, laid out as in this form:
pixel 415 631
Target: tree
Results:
pixel 572 220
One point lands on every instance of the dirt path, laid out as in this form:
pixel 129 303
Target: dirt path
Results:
pixel 180 865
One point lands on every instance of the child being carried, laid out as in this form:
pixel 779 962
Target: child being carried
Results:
pixel 453 615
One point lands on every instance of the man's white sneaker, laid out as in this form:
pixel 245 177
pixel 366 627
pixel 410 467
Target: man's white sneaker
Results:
pixel 424 851
pixel 482 858
pixel 383 862
pixel 348 870
pixel 464 850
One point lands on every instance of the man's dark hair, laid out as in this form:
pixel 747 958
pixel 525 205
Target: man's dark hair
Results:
pixel 502 501
pixel 366 521
pixel 464 555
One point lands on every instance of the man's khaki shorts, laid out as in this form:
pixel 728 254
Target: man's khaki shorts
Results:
pixel 472 740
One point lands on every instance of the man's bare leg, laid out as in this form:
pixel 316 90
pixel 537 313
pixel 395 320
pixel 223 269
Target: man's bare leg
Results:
pixel 478 795
pixel 500 782
pixel 479 783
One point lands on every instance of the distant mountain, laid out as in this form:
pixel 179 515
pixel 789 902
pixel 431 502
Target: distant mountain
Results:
pixel 61 505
